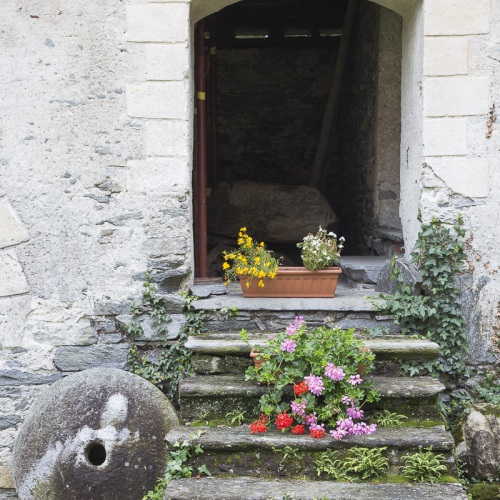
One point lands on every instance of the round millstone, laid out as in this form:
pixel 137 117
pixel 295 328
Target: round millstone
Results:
pixel 96 434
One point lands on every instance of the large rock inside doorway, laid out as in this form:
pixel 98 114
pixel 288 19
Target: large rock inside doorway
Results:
pixel 273 213
pixel 97 434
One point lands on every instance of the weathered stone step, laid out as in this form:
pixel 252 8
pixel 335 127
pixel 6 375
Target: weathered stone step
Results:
pixel 363 269
pixel 385 347
pixel 236 451
pixel 244 488
pixel 210 397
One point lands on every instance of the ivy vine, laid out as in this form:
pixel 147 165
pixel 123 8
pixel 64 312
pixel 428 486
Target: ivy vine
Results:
pixel 435 313
pixel 164 363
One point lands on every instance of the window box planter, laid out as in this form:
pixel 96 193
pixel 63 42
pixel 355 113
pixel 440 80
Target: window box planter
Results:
pixel 295 282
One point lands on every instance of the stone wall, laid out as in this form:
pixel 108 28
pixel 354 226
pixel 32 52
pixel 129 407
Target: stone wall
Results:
pixel 271 104
pixel 92 189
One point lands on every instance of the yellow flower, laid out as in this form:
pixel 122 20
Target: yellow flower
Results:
pixel 248 284
pixel 243 229
pixel 241 241
pixel 262 274
pixel 225 266
pixel 257 260
pixel 260 283
pixel 231 256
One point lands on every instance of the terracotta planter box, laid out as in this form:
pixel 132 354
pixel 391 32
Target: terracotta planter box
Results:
pixel 295 282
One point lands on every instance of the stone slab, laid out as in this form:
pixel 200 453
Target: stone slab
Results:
pixel 345 299
pixel 12 230
pixel 445 56
pixel 157 177
pixel 167 61
pixel 244 488
pixel 150 332
pixel 445 136
pixel 17 377
pixel 465 176
pixel 240 438
pixel 168 100
pixel 72 358
pixel 235 385
pixel 158 23
pixel 363 269
pixel 456 17
pixel 456 96
pixel 12 279
pixel 383 347
pixel 168 138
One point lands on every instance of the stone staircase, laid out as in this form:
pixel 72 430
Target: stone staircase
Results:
pixel 246 466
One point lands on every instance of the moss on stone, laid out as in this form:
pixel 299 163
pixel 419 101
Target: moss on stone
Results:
pixel 484 491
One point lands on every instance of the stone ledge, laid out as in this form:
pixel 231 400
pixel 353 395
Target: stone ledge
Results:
pixel 383 347
pixel 244 488
pixel 235 386
pixel 240 438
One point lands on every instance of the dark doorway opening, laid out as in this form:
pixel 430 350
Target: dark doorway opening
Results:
pixel 269 70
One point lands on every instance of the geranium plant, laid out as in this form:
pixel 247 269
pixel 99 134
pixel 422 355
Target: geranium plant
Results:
pixel 321 250
pixel 326 368
pixel 251 259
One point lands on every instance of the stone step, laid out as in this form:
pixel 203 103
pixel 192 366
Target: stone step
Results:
pixel 210 397
pixel 236 451
pixel 227 353
pixel 363 269
pixel 244 488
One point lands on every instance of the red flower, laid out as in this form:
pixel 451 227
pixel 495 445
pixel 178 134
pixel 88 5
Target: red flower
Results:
pixel 300 389
pixel 298 429
pixel 318 433
pixel 284 421
pixel 260 424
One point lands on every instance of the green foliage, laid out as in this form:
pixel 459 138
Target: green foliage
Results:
pixel 439 255
pixel 164 363
pixel 367 463
pixel 360 463
pixel 423 466
pixel 489 390
pixel 331 466
pixel 177 466
pixel 314 349
pixel 236 417
pixel 289 453
pixel 389 419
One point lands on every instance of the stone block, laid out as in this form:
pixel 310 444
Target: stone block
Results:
pixel 150 332
pixel 72 358
pixel 7 421
pixel 456 17
pixel 12 279
pixel 445 136
pixel 465 176
pixel 167 22
pixel 159 176
pixel 6 480
pixel 159 100
pixel 456 96
pixel 168 138
pixel 167 61
pixel 17 377
pixel 12 230
pixel 445 56
pixel 53 324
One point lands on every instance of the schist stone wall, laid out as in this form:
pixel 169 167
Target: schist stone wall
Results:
pixel 95 170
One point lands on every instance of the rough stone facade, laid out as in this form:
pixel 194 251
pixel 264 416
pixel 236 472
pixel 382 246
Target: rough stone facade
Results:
pixel 96 161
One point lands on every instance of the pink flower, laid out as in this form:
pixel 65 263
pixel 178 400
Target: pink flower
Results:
pixel 299 407
pixel 355 379
pixel 315 384
pixel 271 337
pixel 346 400
pixel 338 434
pixel 334 372
pixel 355 413
pixel 288 345
pixel 311 419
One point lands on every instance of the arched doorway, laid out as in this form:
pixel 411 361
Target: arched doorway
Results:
pixel 266 99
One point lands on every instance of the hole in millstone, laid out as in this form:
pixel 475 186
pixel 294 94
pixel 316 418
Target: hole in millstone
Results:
pixel 95 453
